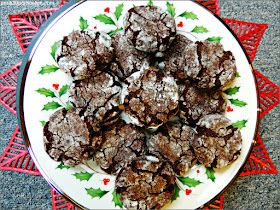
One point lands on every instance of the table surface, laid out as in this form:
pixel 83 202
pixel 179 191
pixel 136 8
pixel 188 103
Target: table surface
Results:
pixel 24 191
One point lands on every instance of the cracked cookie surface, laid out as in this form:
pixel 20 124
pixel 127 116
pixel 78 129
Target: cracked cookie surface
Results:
pixel 218 143
pixel 146 183
pixel 171 143
pixel 195 103
pixel 84 53
pixel 149 28
pixel 121 142
pixel 97 96
pixel 71 138
pixel 128 59
pixel 151 98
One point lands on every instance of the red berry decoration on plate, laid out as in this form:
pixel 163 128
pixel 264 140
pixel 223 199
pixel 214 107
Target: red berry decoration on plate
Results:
pixel 229 109
pixel 188 191
pixel 55 86
pixel 180 24
pixel 107 9
pixel 106 181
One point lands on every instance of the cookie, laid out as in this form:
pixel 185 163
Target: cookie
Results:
pixel 146 183
pixel 127 59
pixel 70 138
pixel 121 143
pixel 218 68
pixel 149 28
pixel 151 98
pixel 171 143
pixel 218 143
pixel 97 96
pixel 195 103
pixel 84 53
pixel 181 58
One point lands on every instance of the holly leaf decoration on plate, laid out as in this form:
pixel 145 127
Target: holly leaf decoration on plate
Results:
pixel 170 9
pixel 118 11
pixel 62 166
pixel 54 49
pixel 68 106
pixel 237 102
pixel 189 15
pixel 240 124
pixel 176 193
pixel 237 74
pixel 111 33
pixel 150 3
pixel 232 91
pixel 104 19
pixel 43 123
pixel 46 92
pixel 63 90
pixel 96 192
pixel 83 23
pixel 199 29
pixel 215 39
pixel 83 176
pixel 48 69
pixel 189 181
pixel 51 105
pixel 116 199
pixel 210 173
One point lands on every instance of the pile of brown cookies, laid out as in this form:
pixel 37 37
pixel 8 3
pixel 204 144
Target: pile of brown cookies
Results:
pixel 170 90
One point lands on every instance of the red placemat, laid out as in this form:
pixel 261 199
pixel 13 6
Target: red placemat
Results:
pixel 25 25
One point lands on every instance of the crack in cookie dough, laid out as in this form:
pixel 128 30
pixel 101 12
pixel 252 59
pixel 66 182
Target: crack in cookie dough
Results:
pixel 218 143
pixel 171 142
pixel 71 138
pixel 97 96
pixel 84 53
pixel 149 28
pixel 121 143
pixel 146 183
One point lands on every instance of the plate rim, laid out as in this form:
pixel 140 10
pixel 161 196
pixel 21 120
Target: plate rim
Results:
pixel 22 80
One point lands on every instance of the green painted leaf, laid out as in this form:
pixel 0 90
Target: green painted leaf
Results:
pixel 83 176
pixel 237 74
pixel 104 19
pixel 43 123
pixel 62 166
pixel 215 39
pixel 116 199
pixel 170 9
pixel 83 23
pixel 232 91
pixel 54 49
pixel 189 15
pixel 111 33
pixel 210 173
pixel 118 11
pixel 237 102
pixel 68 106
pixel 63 90
pixel 199 29
pixel 51 105
pixel 150 3
pixel 96 192
pixel 189 181
pixel 240 124
pixel 48 69
pixel 46 92
pixel 134 5
pixel 176 193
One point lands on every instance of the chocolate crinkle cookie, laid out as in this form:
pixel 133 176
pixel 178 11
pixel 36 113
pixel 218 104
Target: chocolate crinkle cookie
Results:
pixel 97 96
pixel 195 103
pixel 146 183
pixel 127 59
pixel 171 143
pixel 71 138
pixel 218 68
pixel 181 58
pixel 218 143
pixel 84 53
pixel 149 28
pixel 121 143
pixel 151 98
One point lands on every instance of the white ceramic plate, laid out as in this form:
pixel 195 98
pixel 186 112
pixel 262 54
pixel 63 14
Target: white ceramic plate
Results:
pixel 81 184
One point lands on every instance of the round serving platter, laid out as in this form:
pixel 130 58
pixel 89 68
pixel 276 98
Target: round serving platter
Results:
pixel 42 89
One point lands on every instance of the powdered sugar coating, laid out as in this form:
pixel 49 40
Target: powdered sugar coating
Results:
pixel 149 28
pixel 84 53
pixel 97 96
